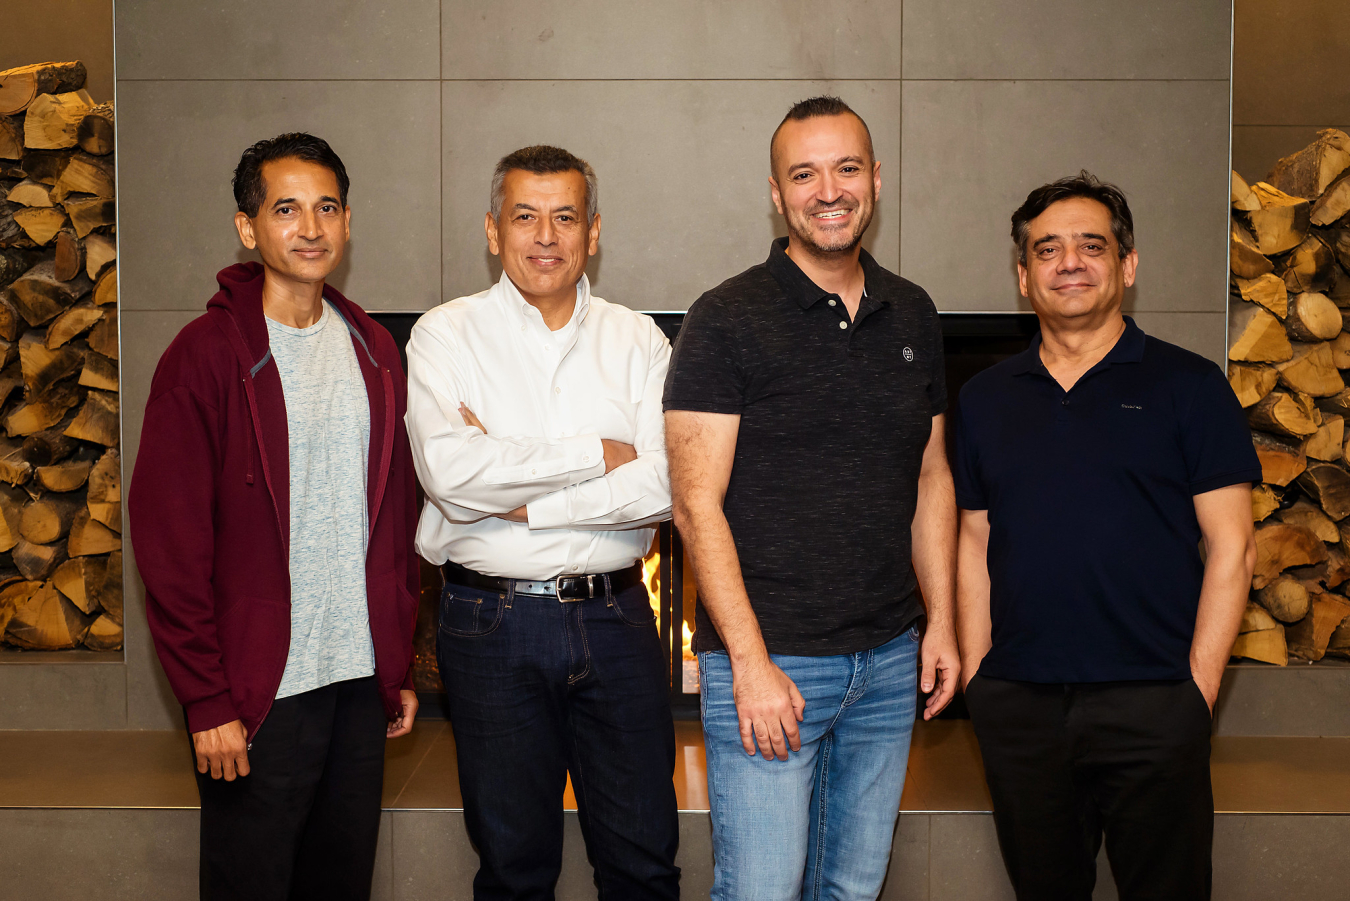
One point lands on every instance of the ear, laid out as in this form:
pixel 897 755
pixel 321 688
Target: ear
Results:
pixel 244 225
pixel 776 195
pixel 1022 278
pixel 346 225
pixel 876 179
pixel 594 246
pixel 1128 265
pixel 490 226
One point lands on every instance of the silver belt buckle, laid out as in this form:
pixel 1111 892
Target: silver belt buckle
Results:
pixel 557 589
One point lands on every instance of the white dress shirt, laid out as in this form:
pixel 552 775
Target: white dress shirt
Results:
pixel 546 399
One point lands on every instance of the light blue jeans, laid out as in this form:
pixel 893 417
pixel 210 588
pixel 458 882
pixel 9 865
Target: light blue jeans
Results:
pixel 819 824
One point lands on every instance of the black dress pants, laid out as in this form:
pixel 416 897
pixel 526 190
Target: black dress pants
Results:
pixel 303 823
pixel 1066 763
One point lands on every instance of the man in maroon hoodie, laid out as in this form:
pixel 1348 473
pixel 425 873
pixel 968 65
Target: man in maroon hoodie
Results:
pixel 272 511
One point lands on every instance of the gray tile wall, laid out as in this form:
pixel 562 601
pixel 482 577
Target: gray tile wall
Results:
pixel 1288 82
pixel 971 103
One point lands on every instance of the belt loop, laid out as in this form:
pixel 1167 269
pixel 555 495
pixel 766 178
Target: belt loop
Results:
pixel 609 586
pixel 590 585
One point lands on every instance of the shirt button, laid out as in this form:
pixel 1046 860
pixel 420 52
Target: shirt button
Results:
pixel 522 328
pixel 585 458
pixel 575 568
pixel 1065 402
pixel 843 325
pixel 534 472
pixel 558 390
pixel 831 303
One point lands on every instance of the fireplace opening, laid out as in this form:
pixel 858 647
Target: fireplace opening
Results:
pixel 972 342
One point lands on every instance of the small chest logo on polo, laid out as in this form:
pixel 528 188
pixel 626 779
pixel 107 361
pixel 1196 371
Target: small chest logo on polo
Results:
pixel 1131 407
pixel 908 355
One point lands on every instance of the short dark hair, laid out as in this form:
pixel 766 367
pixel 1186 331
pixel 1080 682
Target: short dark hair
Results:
pixel 813 107
pixel 1084 184
pixel 249 190
pixel 542 159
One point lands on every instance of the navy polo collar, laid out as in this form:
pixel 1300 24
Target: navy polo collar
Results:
pixel 1129 348
pixel 799 286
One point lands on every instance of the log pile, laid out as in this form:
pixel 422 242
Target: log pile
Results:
pixel 60 469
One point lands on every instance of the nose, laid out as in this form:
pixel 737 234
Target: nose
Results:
pixel 547 231
pixel 827 189
pixel 309 225
pixel 1070 261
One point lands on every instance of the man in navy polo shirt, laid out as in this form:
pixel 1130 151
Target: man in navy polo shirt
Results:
pixel 1091 469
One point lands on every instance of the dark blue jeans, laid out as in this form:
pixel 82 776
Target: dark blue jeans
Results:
pixel 538 689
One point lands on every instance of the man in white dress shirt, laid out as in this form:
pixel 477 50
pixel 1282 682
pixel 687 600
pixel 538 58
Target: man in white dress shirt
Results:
pixel 534 411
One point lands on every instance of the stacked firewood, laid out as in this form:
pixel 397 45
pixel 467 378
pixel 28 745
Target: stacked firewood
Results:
pixel 60 470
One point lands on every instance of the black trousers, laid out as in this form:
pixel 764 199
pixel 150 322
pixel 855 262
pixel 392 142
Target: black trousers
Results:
pixel 1066 763
pixel 303 823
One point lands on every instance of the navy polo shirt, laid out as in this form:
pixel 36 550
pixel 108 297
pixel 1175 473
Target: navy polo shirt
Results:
pixel 1094 560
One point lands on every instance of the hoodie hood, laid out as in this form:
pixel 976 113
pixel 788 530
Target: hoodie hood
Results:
pixel 240 296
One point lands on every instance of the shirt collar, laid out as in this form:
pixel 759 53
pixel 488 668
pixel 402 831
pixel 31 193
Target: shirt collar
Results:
pixel 520 311
pixel 799 286
pixel 1129 348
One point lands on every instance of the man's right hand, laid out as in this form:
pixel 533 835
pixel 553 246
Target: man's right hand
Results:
pixel 617 453
pixel 223 750
pixel 769 707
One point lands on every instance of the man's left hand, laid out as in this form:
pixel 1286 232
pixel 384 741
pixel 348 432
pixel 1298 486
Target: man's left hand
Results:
pixel 403 725
pixel 941 669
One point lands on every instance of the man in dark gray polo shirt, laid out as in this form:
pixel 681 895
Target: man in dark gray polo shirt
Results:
pixel 1090 470
pixel 804 431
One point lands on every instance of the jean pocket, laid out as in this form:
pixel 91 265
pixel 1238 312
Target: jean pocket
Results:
pixel 470 612
pixel 633 607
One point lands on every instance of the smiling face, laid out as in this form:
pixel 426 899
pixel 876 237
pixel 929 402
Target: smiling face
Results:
pixel 301 228
pixel 1074 268
pixel 541 234
pixel 824 182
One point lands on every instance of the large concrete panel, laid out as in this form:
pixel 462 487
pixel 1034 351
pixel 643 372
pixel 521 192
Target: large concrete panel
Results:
pixel 594 39
pixel 964 860
pixel 682 167
pixel 1288 62
pixel 973 150
pixel 145 335
pixel 1097 39
pixel 1257 148
pixel 307 39
pixel 907 875
pixel 62 29
pixel 1260 857
pixel 67 694
pixel 1202 333
pixel 1256 699
pixel 180 142
pixel 111 855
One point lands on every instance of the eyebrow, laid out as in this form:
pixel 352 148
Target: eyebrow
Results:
pixel 291 201
pixel 1048 238
pixel 569 208
pixel 838 162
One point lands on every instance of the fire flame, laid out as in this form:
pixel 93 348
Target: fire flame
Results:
pixel 651 577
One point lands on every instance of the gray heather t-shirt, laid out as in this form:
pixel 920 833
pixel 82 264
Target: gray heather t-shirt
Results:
pixel 328 423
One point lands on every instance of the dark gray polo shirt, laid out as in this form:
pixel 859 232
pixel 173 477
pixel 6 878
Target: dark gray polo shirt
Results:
pixel 835 416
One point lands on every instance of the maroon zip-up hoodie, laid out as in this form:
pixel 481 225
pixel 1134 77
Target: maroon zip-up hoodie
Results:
pixel 210 509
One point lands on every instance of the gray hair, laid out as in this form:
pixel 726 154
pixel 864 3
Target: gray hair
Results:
pixel 541 159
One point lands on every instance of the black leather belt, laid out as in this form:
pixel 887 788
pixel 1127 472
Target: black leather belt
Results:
pixel 564 588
